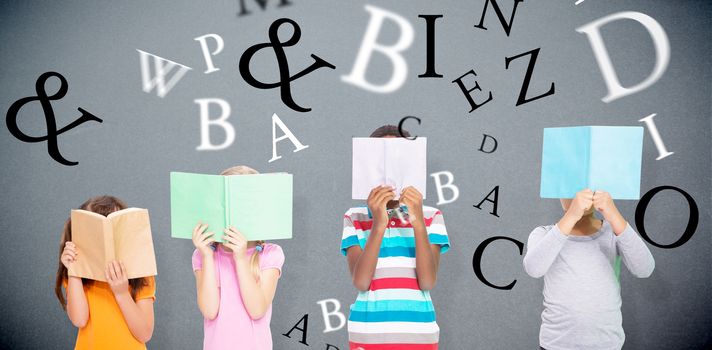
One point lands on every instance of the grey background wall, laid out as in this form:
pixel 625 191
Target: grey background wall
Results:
pixel 144 137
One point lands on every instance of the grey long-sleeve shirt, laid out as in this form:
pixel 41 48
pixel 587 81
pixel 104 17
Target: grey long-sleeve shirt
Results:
pixel 582 301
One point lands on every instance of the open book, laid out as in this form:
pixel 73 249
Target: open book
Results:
pixel 606 158
pixel 397 162
pixel 259 206
pixel 123 235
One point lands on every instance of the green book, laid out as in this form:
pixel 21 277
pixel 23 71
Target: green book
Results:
pixel 259 206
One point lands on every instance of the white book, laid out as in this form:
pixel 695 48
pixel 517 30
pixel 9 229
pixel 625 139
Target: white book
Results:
pixel 396 162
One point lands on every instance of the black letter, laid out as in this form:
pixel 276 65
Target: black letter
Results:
pixel 495 190
pixel 467 92
pixel 522 99
pixel 50 120
pixel 477 259
pixel 691 221
pixel 430 35
pixel 285 79
pixel 329 346
pixel 400 126
pixel 263 5
pixel 507 26
pixel 304 318
pixel 484 139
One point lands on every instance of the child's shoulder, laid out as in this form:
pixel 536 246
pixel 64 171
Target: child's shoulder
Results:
pixel 542 229
pixel 196 258
pixel 272 249
pixel 357 212
pixel 430 211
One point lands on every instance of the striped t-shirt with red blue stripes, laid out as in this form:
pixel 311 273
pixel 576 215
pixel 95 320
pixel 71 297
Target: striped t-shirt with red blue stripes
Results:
pixel 394 313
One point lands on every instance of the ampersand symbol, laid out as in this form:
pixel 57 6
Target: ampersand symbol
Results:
pixel 284 78
pixel 52 132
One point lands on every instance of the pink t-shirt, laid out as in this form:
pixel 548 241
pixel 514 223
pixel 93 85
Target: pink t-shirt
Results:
pixel 233 328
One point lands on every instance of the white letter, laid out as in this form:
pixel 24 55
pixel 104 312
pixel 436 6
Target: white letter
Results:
pixel 206 122
pixel 439 186
pixel 662 52
pixel 287 134
pixel 656 137
pixel 369 45
pixel 327 314
pixel 162 67
pixel 206 54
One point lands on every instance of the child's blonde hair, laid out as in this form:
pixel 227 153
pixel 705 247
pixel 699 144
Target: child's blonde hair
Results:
pixel 255 259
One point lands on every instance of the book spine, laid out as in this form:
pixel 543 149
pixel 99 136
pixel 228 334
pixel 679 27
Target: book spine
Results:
pixel 587 157
pixel 226 201
pixel 109 246
pixel 385 163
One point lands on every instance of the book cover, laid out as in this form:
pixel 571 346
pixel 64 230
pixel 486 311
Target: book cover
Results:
pixel 604 158
pixel 397 162
pixel 259 205
pixel 124 235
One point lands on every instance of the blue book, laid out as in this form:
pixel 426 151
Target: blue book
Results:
pixel 606 158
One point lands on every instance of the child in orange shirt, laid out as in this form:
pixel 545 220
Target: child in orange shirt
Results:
pixel 117 314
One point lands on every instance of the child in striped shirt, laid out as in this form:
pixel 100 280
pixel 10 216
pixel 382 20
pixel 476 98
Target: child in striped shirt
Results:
pixel 393 264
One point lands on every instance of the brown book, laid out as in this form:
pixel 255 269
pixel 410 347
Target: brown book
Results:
pixel 124 235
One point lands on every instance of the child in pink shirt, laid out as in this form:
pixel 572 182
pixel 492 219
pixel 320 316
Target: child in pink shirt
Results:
pixel 236 281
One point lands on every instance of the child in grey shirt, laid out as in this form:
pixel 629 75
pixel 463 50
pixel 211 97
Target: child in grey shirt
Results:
pixel 576 256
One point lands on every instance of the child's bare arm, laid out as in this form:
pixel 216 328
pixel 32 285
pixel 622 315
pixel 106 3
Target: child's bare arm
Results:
pixel 138 314
pixel 257 297
pixel 77 306
pixel 427 256
pixel 362 262
pixel 205 283
pixel 257 292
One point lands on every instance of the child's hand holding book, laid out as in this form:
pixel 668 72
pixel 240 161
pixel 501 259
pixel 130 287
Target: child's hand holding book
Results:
pixel 600 201
pixel 236 241
pixel 413 200
pixel 69 254
pixel 603 202
pixel 580 204
pixel 203 240
pixel 377 201
pixel 117 278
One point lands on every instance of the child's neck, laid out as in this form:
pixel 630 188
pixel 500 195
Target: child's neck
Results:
pixel 587 226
